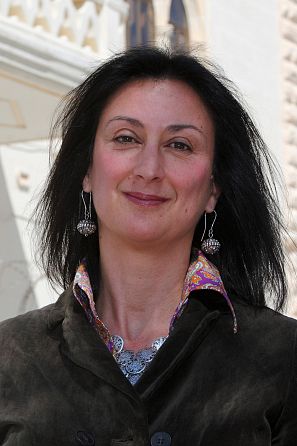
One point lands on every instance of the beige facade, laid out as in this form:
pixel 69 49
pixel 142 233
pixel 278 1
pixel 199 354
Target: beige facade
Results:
pixel 48 46
pixel 289 126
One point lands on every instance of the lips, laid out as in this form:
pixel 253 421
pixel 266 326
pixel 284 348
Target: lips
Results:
pixel 145 199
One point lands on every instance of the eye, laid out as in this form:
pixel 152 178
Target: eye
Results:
pixel 125 139
pixel 180 146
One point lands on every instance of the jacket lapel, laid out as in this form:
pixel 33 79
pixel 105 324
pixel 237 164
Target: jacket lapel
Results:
pixel 189 331
pixel 82 345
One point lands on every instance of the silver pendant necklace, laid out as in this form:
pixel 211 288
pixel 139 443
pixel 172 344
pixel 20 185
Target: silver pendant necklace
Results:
pixel 133 364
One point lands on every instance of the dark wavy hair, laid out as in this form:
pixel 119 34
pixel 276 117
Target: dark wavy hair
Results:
pixel 249 226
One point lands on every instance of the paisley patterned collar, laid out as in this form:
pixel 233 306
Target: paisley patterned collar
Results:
pixel 201 275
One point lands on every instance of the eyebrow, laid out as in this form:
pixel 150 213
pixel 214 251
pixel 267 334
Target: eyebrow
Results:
pixel 171 128
pixel 132 121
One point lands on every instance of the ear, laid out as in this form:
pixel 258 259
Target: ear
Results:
pixel 213 198
pixel 87 183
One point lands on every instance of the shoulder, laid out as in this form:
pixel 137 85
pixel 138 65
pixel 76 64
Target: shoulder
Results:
pixel 263 319
pixel 14 329
pixel 29 332
pixel 270 338
pixel 266 333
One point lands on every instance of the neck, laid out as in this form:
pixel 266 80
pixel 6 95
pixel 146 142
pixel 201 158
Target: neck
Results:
pixel 140 289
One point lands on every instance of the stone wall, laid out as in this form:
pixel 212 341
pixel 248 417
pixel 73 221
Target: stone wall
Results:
pixel 289 74
pixel 46 48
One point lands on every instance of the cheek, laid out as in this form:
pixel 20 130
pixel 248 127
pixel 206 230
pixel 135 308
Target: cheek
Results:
pixel 195 189
pixel 195 182
pixel 108 169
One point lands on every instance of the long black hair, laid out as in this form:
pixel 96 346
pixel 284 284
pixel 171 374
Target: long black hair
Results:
pixel 249 225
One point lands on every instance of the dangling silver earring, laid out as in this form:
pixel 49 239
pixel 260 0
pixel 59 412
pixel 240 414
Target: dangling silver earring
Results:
pixel 210 245
pixel 87 226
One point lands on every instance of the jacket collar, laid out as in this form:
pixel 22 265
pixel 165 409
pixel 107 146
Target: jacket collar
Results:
pixel 81 344
pixel 201 275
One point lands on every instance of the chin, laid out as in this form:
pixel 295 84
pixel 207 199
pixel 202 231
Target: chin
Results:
pixel 142 235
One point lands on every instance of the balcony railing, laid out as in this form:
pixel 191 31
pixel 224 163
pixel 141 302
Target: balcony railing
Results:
pixel 76 21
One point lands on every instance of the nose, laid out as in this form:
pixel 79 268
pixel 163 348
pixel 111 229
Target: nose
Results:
pixel 149 164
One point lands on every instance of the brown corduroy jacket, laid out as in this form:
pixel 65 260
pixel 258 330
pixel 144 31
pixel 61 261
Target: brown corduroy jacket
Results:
pixel 60 386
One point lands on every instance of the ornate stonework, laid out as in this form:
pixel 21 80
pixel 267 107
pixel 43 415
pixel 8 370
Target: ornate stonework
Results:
pixel 289 74
pixel 80 22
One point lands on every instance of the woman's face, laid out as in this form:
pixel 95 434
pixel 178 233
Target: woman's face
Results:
pixel 151 173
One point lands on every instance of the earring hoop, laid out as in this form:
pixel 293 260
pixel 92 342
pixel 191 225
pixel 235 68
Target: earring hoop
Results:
pixel 86 226
pixel 210 245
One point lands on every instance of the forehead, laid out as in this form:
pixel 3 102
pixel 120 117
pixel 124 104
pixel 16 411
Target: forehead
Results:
pixel 160 101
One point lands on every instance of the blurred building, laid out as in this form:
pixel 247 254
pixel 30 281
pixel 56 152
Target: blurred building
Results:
pixel 48 46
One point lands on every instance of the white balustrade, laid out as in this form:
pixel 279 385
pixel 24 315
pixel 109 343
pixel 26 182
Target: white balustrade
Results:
pixel 77 21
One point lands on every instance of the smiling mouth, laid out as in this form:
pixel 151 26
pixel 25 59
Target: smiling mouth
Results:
pixel 145 199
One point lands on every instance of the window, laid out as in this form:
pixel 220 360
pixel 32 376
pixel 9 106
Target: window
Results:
pixel 141 26
pixel 179 37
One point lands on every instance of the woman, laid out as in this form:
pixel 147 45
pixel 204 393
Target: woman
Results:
pixel 162 228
